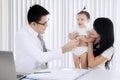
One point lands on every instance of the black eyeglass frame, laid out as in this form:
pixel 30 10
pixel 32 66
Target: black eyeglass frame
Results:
pixel 43 23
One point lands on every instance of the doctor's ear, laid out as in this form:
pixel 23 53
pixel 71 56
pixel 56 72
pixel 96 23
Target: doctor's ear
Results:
pixel 33 23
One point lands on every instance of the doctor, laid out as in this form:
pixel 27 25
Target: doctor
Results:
pixel 30 50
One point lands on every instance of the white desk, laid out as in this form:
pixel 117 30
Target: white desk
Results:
pixel 102 75
pixel 75 74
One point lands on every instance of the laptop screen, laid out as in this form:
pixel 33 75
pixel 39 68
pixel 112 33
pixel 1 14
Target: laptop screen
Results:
pixel 7 66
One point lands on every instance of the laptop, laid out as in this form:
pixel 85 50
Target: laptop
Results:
pixel 7 66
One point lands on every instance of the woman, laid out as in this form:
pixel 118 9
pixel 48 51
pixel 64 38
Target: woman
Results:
pixel 100 44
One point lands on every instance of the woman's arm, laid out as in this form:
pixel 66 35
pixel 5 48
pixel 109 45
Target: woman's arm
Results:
pixel 94 61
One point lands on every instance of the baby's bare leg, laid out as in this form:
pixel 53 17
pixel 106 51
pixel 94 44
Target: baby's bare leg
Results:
pixel 76 61
pixel 84 61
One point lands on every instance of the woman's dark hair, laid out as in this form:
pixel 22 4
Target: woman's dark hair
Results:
pixel 35 13
pixel 104 27
pixel 84 12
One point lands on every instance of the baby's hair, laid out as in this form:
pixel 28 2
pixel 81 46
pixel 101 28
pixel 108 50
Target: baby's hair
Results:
pixel 84 12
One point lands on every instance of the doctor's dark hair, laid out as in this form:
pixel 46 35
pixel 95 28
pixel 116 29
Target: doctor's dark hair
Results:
pixel 104 27
pixel 84 12
pixel 35 13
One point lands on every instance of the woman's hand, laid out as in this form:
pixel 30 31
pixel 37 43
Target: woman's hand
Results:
pixel 90 38
pixel 93 36
pixel 73 35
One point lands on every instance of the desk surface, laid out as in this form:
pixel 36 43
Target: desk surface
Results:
pixel 102 75
pixel 76 74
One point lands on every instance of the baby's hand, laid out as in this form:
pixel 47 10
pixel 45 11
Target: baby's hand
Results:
pixel 73 35
pixel 78 38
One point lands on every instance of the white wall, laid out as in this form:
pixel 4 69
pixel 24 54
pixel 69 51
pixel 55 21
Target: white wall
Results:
pixel 117 34
pixel 0 24
pixel 5 27
pixel 62 20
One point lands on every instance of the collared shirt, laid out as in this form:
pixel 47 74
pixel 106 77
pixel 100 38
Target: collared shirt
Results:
pixel 28 50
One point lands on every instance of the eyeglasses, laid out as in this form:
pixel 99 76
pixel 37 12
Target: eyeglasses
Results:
pixel 43 23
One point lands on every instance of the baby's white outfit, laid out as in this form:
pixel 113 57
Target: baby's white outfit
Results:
pixel 80 50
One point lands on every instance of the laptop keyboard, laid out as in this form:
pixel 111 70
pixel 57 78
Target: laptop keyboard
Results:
pixel 20 77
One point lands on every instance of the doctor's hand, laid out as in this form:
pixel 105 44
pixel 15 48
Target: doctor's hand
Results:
pixel 70 45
